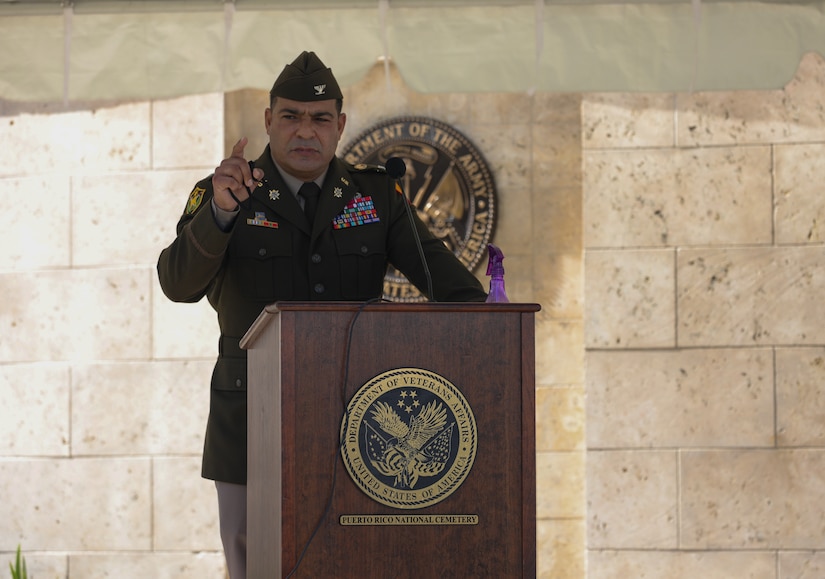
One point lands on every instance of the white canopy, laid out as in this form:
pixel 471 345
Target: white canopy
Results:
pixel 92 49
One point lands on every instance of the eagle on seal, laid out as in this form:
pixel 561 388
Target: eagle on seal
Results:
pixel 420 448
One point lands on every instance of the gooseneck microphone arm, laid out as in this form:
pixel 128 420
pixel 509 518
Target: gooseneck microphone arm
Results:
pixel 395 169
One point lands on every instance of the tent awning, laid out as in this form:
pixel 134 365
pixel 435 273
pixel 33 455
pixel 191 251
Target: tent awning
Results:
pixel 91 50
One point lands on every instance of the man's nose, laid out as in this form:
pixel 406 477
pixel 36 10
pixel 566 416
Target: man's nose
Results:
pixel 305 127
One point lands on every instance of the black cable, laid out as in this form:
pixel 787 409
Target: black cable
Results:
pixel 345 417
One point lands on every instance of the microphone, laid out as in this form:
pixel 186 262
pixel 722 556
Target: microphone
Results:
pixel 396 168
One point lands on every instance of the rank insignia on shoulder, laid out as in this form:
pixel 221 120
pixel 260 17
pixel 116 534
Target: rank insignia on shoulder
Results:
pixel 364 168
pixel 195 198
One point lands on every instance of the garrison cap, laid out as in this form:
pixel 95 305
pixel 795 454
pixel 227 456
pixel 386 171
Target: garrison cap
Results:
pixel 306 79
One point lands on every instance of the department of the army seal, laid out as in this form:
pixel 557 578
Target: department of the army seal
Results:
pixel 408 438
pixel 447 180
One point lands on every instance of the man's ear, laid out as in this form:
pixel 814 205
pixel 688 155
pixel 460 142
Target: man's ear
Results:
pixel 342 121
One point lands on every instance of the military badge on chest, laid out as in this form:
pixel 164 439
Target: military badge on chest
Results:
pixel 447 180
pixel 359 211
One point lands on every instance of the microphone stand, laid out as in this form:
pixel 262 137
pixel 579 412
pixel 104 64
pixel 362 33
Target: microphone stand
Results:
pixel 396 169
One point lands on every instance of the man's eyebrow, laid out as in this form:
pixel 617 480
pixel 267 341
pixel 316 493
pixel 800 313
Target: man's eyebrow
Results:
pixel 296 112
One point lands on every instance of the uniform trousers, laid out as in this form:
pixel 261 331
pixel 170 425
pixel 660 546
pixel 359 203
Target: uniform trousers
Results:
pixel 232 515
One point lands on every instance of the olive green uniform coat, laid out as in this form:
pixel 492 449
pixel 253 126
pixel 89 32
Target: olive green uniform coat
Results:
pixel 272 253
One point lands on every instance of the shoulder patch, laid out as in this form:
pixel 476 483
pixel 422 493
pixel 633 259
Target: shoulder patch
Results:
pixel 364 168
pixel 195 198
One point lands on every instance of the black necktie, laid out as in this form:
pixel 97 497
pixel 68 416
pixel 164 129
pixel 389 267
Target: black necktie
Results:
pixel 310 192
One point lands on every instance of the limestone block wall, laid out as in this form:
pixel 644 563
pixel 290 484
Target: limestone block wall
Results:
pixel 704 332
pixel 673 241
pixel 103 381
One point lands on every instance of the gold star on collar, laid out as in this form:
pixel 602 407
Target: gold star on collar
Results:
pixel 338 192
pixel 274 194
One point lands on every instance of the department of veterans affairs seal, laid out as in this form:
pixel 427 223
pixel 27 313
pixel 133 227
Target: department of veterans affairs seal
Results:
pixel 408 438
pixel 447 180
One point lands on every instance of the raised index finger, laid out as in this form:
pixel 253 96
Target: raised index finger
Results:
pixel 237 148
pixel 237 152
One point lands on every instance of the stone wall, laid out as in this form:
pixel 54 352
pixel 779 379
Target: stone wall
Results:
pixel 672 241
pixel 704 332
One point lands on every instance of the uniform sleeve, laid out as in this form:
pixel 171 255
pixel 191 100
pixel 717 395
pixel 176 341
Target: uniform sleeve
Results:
pixel 191 263
pixel 452 281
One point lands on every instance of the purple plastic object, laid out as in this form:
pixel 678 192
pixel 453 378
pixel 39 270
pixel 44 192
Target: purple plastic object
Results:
pixel 495 269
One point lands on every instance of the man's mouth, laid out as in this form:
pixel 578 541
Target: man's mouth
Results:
pixel 305 150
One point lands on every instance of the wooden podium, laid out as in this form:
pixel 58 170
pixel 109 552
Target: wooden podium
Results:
pixel 307 360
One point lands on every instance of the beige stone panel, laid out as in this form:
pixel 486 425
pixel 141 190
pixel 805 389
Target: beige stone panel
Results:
pixel 800 398
pixel 37 223
pixel 513 224
pixel 77 504
pixel 143 565
pixel 799 176
pixel 559 485
pixel 127 219
pixel 559 351
pixel 557 108
pixel 794 114
pixel 518 277
pixel 622 120
pixel 75 315
pixel 166 403
pixel 382 93
pixel 243 116
pixel 751 296
pixel 753 499
pixel 693 398
pixel 506 149
pixel 188 131
pixel 511 108
pixel 632 500
pixel 560 418
pixel 185 507
pixel 557 156
pixel 629 299
pixel 379 95
pixel 558 284
pixel 451 108
pixel 34 416
pixel 96 140
pixel 556 220
pixel 670 197
pixel 801 565
pixel 38 565
pixel 560 549
pixel 680 565
pixel 182 330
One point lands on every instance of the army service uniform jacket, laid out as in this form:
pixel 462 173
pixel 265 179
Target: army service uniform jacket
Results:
pixel 272 253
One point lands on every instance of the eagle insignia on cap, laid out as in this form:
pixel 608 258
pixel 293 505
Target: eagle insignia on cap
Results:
pixel 306 79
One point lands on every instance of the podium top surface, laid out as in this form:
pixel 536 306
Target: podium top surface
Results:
pixel 272 310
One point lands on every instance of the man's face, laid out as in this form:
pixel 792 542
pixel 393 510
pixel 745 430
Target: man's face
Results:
pixel 303 136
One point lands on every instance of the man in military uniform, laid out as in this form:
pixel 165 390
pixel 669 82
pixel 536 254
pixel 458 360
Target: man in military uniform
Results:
pixel 297 224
